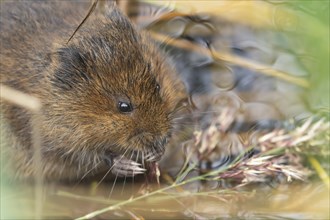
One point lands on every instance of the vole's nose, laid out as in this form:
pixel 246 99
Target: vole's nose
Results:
pixel 142 134
pixel 138 131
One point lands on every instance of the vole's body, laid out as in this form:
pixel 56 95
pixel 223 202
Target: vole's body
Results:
pixel 107 95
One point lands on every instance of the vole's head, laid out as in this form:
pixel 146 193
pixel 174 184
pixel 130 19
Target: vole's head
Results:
pixel 111 92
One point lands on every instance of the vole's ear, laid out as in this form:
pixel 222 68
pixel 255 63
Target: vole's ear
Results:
pixel 105 6
pixel 125 5
pixel 70 68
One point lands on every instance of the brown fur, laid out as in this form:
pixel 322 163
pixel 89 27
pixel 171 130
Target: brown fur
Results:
pixel 80 85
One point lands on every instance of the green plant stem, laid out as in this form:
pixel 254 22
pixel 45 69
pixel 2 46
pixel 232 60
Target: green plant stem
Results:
pixel 86 198
pixel 320 171
pixel 109 208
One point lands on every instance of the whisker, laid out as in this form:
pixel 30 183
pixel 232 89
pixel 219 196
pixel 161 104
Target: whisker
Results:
pixel 122 189
pixel 113 186
pixel 133 176
pixel 105 175
pixel 114 182
pixel 143 164
pixel 88 173
pixel 137 158
pixel 110 169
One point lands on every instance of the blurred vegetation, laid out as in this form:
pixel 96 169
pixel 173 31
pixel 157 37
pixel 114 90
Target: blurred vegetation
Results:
pixel 313 32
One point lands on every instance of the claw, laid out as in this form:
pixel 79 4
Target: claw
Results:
pixel 153 156
pixel 125 167
pixel 150 158
pixel 140 169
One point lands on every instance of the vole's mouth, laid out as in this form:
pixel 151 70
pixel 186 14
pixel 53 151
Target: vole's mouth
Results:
pixel 140 150
pixel 133 162
pixel 121 165
pixel 148 154
pixel 156 151
pixel 154 154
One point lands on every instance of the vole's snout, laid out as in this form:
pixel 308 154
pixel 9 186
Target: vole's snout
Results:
pixel 148 147
pixel 154 156
pixel 156 151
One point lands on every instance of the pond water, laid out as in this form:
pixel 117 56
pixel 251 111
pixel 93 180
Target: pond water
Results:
pixel 297 201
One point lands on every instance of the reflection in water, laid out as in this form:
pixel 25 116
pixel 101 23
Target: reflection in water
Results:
pixel 297 201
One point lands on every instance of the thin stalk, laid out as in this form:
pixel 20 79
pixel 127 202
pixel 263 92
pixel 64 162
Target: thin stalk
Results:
pixel 109 208
pixel 320 171
pixel 230 58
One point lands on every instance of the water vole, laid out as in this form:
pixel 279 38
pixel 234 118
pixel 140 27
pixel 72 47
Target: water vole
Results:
pixel 108 95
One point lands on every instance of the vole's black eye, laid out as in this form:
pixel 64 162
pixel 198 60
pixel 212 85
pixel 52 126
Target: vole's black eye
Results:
pixel 125 107
pixel 158 87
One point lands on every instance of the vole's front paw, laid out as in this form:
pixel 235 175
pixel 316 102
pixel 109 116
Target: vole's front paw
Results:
pixel 122 166
pixel 154 156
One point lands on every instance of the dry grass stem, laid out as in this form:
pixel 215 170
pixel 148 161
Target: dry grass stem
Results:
pixel 273 160
pixel 34 105
pixel 230 58
pixel 268 16
pixel 19 98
